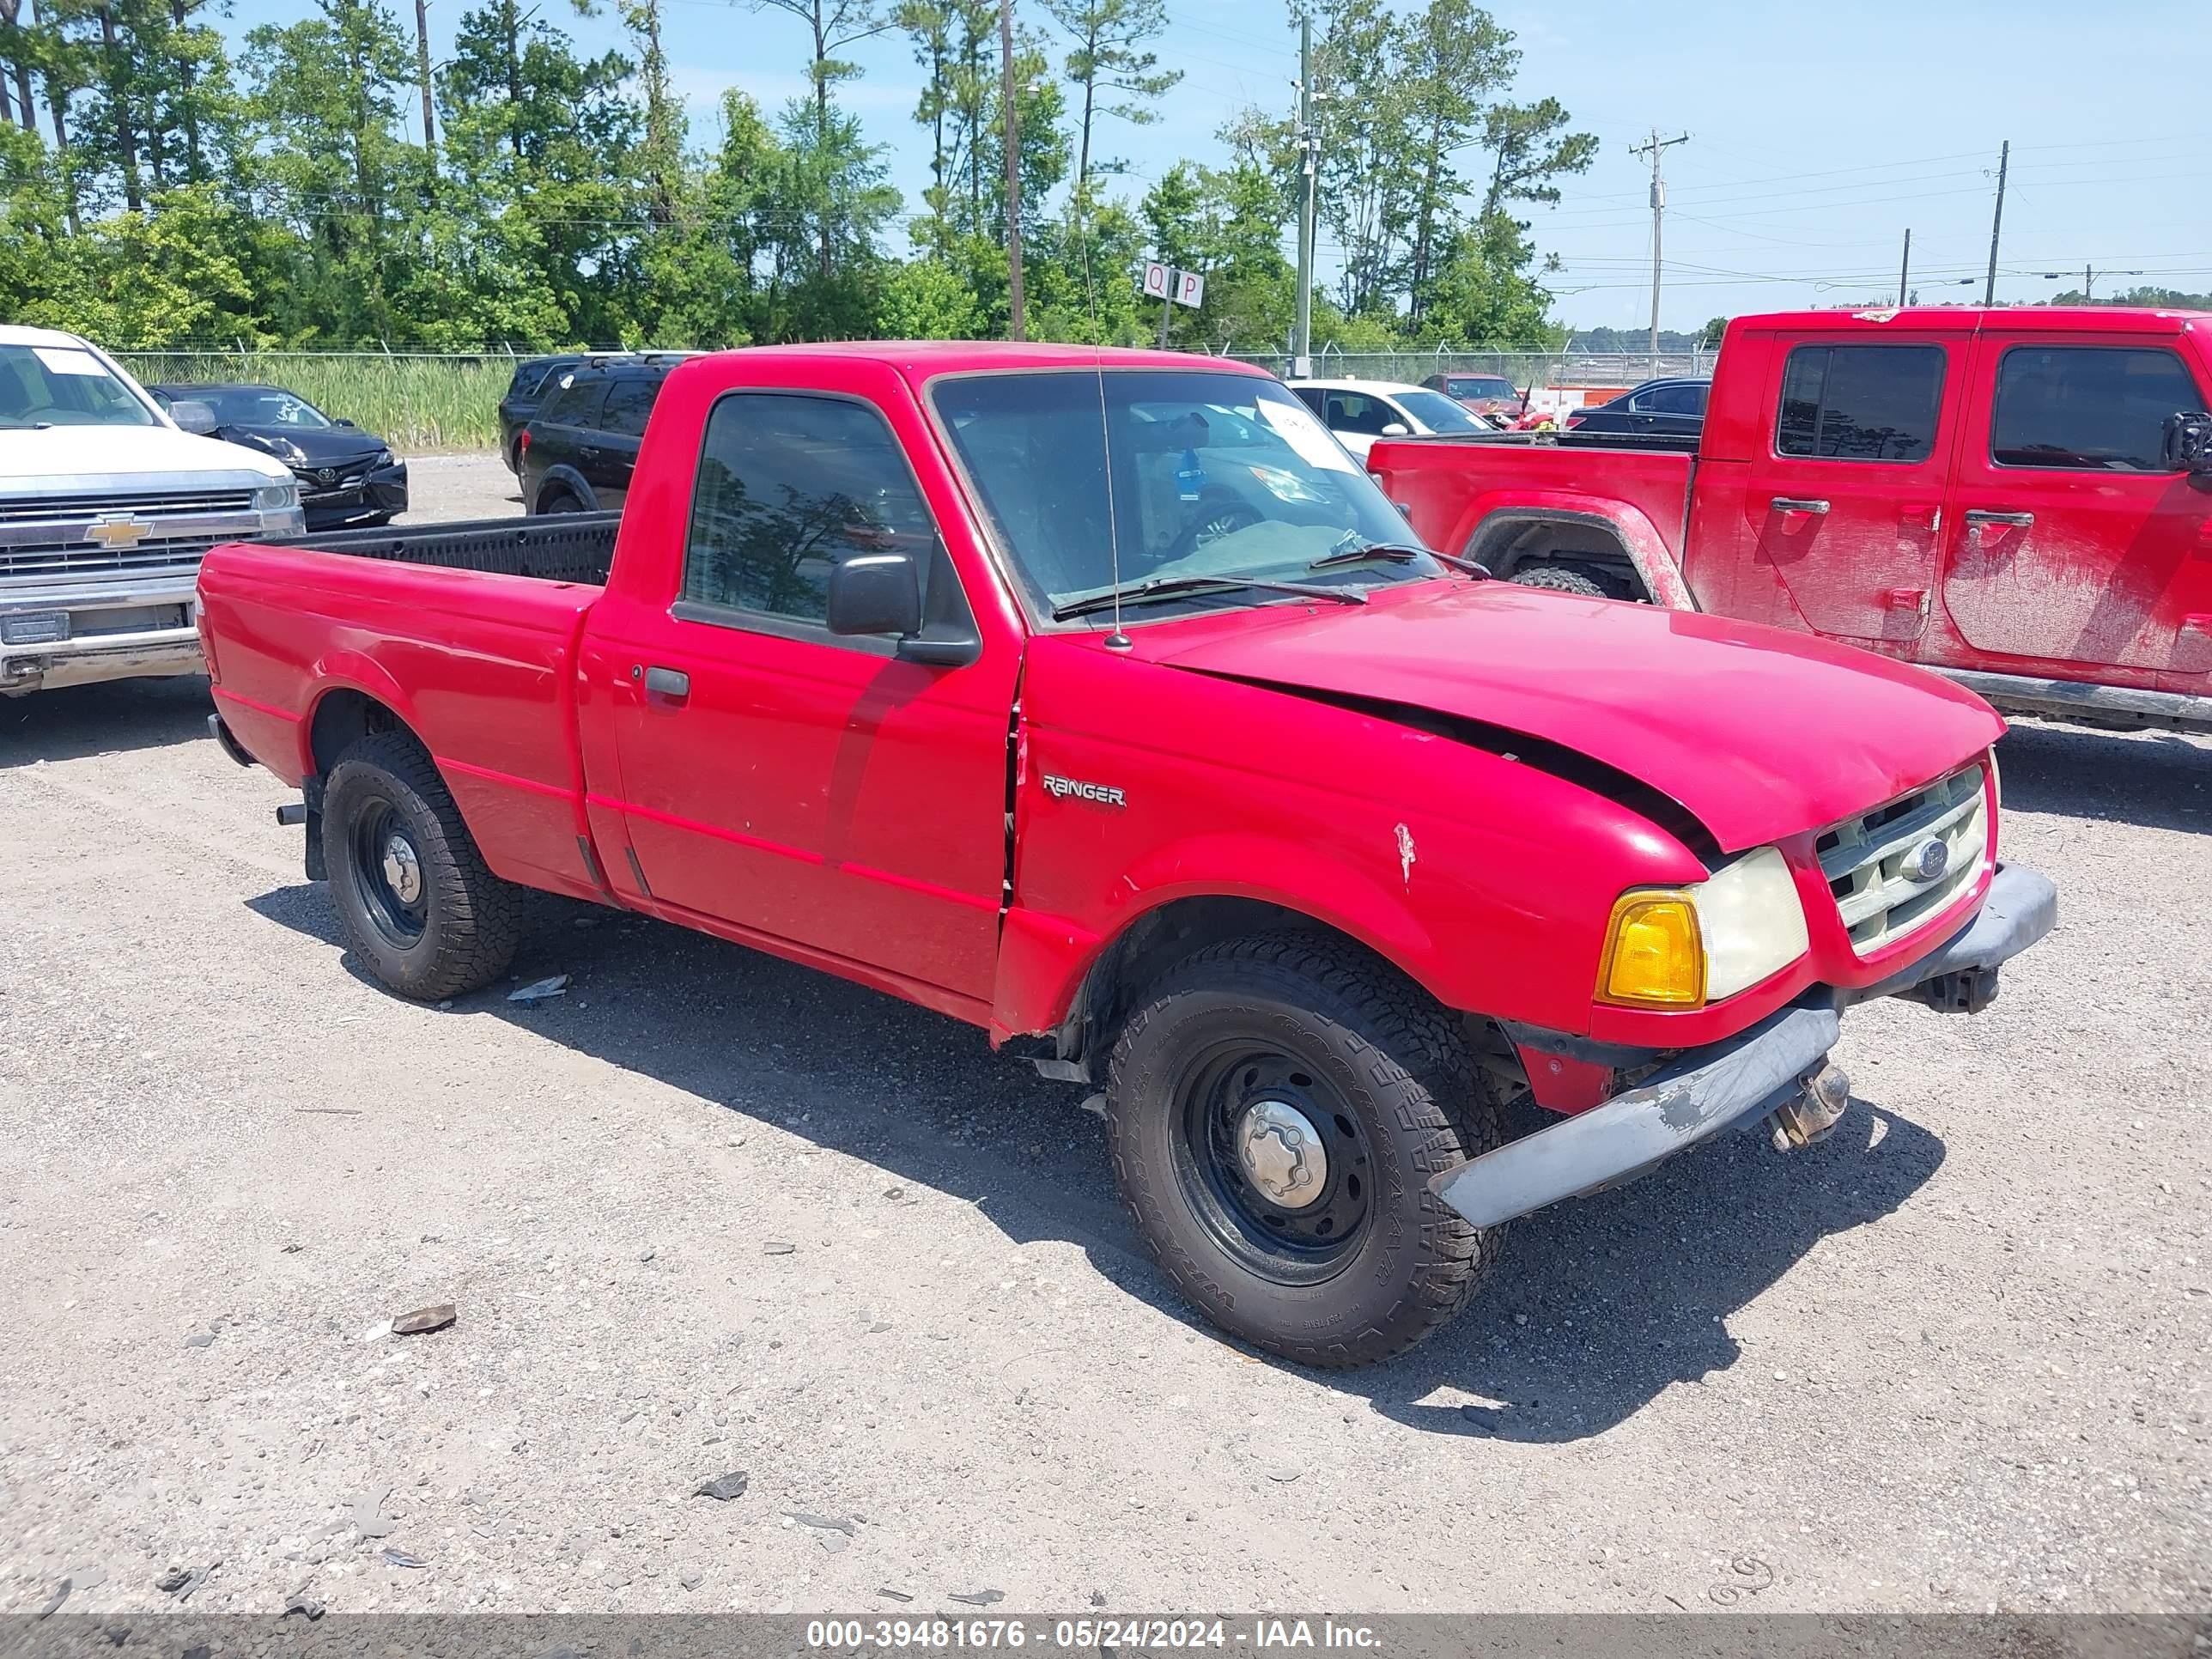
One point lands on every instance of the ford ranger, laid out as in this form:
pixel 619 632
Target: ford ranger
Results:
pixel 1097 699
pixel 2019 499
pixel 106 506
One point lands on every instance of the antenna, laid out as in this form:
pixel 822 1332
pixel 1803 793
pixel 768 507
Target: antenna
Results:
pixel 1116 641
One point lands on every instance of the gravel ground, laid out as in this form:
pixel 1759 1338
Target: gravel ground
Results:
pixel 708 1212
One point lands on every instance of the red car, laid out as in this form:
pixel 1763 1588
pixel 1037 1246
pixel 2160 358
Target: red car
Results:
pixel 1481 394
pixel 1095 699
pixel 2019 499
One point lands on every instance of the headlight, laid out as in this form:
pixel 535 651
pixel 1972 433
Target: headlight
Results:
pixel 1287 486
pixel 1682 947
pixel 275 498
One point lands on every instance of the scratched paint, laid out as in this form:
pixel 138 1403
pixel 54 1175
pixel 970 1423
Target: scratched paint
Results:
pixel 1406 856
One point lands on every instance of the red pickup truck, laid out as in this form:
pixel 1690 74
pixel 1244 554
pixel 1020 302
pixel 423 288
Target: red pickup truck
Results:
pixel 2021 500
pixel 1095 699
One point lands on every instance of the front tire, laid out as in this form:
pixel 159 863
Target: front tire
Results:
pixel 418 904
pixel 1562 579
pixel 1275 1112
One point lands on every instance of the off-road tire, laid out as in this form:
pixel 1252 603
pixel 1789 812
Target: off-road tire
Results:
pixel 1397 1058
pixel 473 920
pixel 1562 579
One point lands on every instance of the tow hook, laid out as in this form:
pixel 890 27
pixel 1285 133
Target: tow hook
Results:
pixel 1814 1113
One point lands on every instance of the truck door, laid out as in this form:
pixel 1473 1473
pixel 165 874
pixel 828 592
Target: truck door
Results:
pixel 1845 498
pixel 793 782
pixel 2070 541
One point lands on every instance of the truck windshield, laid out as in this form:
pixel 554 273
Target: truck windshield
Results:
pixel 62 385
pixel 1212 475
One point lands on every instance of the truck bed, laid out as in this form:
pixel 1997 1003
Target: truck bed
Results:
pixel 467 631
pixel 562 547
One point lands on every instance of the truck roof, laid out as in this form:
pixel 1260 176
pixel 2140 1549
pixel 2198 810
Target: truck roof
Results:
pixel 927 357
pixel 2031 320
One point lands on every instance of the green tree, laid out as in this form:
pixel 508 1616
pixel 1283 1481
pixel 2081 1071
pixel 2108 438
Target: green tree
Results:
pixel 1119 77
pixel 928 300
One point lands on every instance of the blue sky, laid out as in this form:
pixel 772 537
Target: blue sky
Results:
pixel 1817 134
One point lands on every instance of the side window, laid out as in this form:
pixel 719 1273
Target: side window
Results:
pixel 1313 399
pixel 1349 411
pixel 1852 403
pixel 1674 400
pixel 576 403
pixel 789 488
pixel 2100 407
pixel 629 401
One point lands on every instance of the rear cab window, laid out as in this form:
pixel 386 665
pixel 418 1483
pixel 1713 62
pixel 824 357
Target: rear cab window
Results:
pixel 2088 407
pixel 1860 403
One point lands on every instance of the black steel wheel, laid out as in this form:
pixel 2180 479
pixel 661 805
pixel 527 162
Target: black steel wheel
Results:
pixel 386 869
pixel 1277 1107
pixel 420 908
pixel 1273 1161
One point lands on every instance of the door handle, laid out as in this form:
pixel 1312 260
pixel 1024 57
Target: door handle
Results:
pixel 1795 504
pixel 1977 515
pixel 669 684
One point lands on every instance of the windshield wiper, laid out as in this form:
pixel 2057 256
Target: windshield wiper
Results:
pixel 1169 587
pixel 1351 550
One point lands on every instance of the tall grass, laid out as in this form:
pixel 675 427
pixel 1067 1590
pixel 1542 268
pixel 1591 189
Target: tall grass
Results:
pixel 414 403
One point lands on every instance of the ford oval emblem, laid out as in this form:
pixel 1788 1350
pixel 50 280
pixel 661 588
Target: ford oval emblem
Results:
pixel 1929 860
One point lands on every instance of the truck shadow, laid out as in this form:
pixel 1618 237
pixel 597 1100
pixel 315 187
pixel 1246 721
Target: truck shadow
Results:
pixel 1623 1295
pixel 2159 780
pixel 78 721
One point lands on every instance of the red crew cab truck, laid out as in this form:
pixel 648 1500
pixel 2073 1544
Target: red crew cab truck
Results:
pixel 2021 500
pixel 1095 699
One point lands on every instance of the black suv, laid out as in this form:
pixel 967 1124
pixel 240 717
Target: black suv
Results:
pixel 525 393
pixel 577 452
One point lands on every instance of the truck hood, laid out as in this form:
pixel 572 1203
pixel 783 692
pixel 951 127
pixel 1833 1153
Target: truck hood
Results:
pixel 1757 732
pixel 62 460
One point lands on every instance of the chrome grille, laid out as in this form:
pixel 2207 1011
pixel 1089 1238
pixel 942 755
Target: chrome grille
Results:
pixel 47 536
pixel 1864 859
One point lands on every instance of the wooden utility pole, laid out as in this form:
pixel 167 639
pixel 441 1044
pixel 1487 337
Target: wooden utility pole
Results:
pixel 422 65
pixel 1015 329
pixel 1309 162
pixel 1996 224
pixel 1904 271
pixel 1655 148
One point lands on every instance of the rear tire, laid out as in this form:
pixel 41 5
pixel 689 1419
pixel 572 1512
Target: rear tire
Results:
pixel 1562 579
pixel 559 500
pixel 1297 1068
pixel 418 904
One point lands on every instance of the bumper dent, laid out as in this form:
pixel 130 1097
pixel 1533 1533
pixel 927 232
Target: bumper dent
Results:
pixel 1700 1094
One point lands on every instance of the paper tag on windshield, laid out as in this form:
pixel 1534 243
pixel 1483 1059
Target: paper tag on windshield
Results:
pixel 1301 429
pixel 67 360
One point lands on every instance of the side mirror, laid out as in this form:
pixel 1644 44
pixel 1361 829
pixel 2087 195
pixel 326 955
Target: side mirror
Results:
pixel 341 423
pixel 193 415
pixel 1396 429
pixel 2189 442
pixel 875 594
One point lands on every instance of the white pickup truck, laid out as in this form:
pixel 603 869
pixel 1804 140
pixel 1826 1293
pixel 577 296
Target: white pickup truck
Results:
pixel 106 503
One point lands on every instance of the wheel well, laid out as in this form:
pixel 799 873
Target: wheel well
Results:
pixel 1146 950
pixel 343 718
pixel 1510 543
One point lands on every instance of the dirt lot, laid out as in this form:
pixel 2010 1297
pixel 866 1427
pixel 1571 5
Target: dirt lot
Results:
pixel 1953 1359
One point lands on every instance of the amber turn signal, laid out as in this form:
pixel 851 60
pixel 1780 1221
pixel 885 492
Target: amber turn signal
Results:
pixel 1654 956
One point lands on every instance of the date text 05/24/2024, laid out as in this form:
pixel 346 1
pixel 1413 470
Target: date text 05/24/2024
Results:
pixel 836 1635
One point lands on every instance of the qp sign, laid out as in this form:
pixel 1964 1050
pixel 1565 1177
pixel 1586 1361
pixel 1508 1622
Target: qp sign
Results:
pixel 1156 277
pixel 1190 289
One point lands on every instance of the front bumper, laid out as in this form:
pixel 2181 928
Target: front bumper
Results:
pixel 109 631
pixel 379 495
pixel 1702 1092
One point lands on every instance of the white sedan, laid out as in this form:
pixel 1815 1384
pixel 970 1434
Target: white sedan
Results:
pixel 1360 411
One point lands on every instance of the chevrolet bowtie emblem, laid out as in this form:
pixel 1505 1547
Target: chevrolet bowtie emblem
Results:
pixel 118 531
